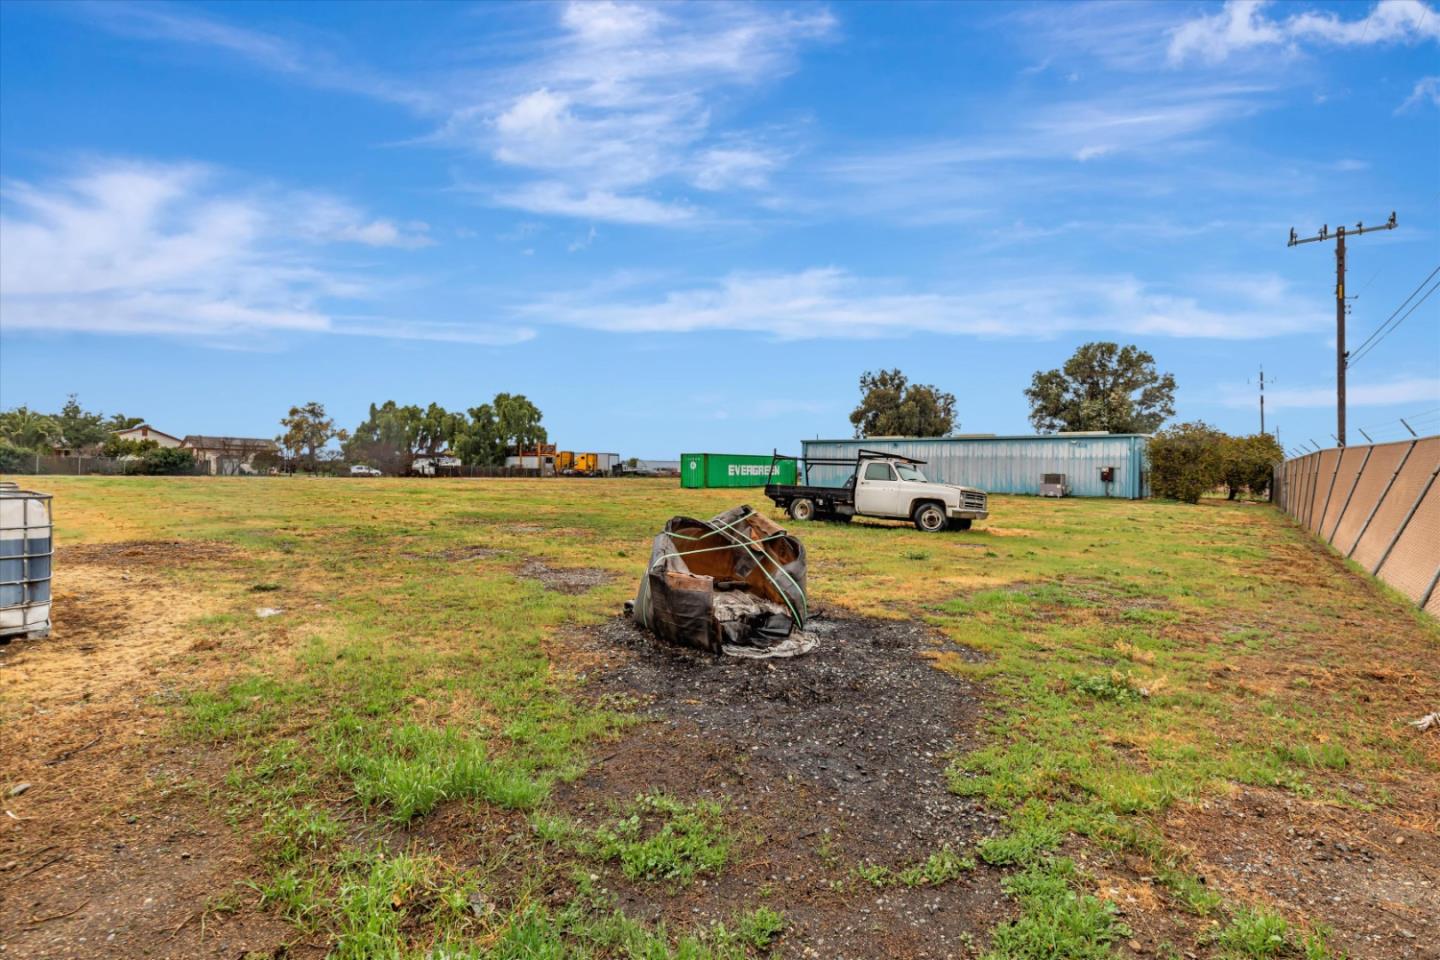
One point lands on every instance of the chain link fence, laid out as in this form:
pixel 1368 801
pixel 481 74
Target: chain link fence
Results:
pixel 42 464
pixel 1379 505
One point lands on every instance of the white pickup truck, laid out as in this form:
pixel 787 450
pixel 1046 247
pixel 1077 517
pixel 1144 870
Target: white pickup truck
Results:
pixel 880 485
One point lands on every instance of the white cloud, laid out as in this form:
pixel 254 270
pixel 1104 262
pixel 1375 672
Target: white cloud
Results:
pixel 558 199
pixel 827 302
pixel 1427 90
pixel 724 168
pixel 1403 390
pixel 128 248
pixel 626 99
pixel 1242 25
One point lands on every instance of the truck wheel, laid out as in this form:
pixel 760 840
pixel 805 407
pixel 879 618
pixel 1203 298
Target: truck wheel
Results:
pixel 802 509
pixel 929 518
pixel 960 524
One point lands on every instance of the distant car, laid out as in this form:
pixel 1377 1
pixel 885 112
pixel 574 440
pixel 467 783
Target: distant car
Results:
pixel 360 470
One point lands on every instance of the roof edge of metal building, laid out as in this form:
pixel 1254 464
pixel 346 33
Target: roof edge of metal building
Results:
pixel 977 437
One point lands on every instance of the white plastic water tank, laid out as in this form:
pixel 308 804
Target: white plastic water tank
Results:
pixel 26 547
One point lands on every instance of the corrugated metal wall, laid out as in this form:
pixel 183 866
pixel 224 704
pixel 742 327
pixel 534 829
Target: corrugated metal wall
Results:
pixel 1009 464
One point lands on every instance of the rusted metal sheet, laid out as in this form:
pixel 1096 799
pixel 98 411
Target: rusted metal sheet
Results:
pixel 732 584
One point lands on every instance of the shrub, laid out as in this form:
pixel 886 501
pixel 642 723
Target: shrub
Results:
pixel 1250 463
pixel 1187 460
pixel 167 460
pixel 14 459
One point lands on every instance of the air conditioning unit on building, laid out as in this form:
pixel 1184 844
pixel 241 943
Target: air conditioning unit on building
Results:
pixel 1054 485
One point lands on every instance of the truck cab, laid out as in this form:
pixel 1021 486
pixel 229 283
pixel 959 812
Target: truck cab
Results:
pixel 896 487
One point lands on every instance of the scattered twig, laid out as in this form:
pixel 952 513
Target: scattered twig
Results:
pixel 67 754
pixel 41 867
pixel 176 932
pixel 58 916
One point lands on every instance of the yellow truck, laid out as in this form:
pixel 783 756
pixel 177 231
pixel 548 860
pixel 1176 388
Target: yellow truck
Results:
pixel 571 464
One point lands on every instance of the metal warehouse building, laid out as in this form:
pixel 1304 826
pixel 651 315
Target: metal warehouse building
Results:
pixel 1011 464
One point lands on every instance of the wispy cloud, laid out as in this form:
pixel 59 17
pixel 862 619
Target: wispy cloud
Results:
pixel 1427 90
pixel 1037 152
pixel 625 98
pixel 1399 391
pixel 616 111
pixel 269 51
pixel 176 250
pixel 828 303
pixel 1243 25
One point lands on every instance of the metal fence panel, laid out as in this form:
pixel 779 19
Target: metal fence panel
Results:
pixel 1379 505
pixel 1410 567
pixel 1398 503
pixel 1384 459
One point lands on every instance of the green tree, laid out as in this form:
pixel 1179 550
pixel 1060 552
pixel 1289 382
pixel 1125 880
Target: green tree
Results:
pixel 79 428
pixel 307 431
pixel 388 438
pixel 478 441
pixel 1187 461
pixel 28 429
pixel 518 421
pixel 1249 463
pixel 892 406
pixel 1103 386
pixel 437 429
pixel 118 421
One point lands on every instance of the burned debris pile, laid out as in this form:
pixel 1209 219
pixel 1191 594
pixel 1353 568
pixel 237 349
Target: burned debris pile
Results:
pixel 733 584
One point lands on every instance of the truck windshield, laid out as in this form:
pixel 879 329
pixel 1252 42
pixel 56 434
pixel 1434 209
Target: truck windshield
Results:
pixel 908 472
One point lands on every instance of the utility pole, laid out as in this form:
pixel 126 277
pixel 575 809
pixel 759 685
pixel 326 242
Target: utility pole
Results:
pixel 1342 356
pixel 1262 401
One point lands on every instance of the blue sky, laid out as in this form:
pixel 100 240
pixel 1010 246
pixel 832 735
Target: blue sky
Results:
pixel 693 227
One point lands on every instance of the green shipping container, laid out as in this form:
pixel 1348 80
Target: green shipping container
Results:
pixel 732 470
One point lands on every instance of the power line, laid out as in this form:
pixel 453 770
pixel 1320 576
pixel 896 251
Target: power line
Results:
pixel 1408 416
pixel 1397 324
pixel 1397 309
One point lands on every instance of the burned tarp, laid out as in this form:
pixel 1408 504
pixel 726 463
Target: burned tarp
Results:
pixel 732 584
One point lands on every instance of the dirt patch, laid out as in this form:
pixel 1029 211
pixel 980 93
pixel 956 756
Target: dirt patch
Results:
pixel 115 626
pixel 149 873
pixel 472 552
pixel 143 553
pixel 826 762
pixel 108 853
pixel 1369 875
pixel 565 579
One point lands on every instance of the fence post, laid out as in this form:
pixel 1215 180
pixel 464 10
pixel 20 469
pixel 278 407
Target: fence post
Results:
pixel 1383 494
pixel 1406 522
pixel 1425 599
pixel 1320 520
pixel 1358 474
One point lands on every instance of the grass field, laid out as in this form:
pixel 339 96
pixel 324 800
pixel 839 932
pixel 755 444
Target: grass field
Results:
pixel 1176 731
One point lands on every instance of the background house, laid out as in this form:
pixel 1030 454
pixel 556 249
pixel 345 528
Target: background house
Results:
pixel 230 456
pixel 146 432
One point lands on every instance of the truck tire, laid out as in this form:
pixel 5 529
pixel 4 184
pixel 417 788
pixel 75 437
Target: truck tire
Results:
pixel 958 524
pixel 929 518
pixel 802 509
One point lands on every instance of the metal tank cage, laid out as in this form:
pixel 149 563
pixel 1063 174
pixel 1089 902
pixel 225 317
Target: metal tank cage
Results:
pixel 26 553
